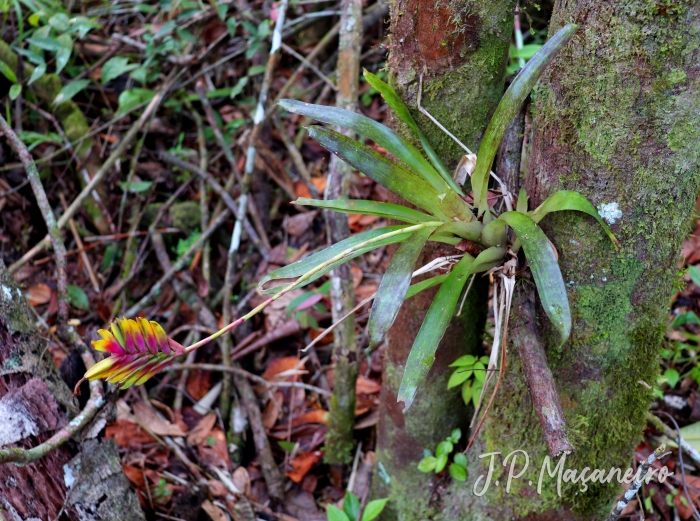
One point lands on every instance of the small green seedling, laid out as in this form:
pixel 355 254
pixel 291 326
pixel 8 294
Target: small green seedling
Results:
pixel 351 509
pixel 438 462
pixel 471 375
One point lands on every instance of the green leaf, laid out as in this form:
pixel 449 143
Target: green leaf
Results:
pixel 467 392
pixel 470 231
pixel 522 201
pixel 672 377
pixel 387 173
pixel 459 377
pixel 287 446
pixel 526 52
pixel 427 464
pixel 545 270
pixel 37 73
pixel 432 330
pixel 132 98
pixel 15 91
pixel 476 392
pixel 373 509
pixel 7 72
pixel 487 259
pixel 63 54
pixel 115 67
pixel 460 459
pixel 425 284
pixel 386 210
pixel 383 136
pixel 238 87
pixel 458 472
pixel 479 370
pixel 351 505
pixel 399 107
pixel 464 361
pixel 441 463
pixel 335 514
pixel 394 286
pixel 357 242
pixel 70 89
pixel 135 187
pixel 456 434
pixel 444 447
pixel 570 200
pixel 48 43
pixel 691 434
pixel 508 107
pixel 694 273
pixel 60 22
pixel 77 297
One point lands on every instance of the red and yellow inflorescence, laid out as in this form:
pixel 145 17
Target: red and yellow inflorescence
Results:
pixel 138 348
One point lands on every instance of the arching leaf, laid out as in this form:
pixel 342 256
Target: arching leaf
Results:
pixel 570 200
pixel 394 286
pixel 545 270
pixel 399 107
pixel 380 134
pixel 358 242
pixel 392 176
pixel 431 332
pixel 387 210
pixel 508 107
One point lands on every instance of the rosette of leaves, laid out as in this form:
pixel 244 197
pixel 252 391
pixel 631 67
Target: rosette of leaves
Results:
pixel 417 175
pixel 443 215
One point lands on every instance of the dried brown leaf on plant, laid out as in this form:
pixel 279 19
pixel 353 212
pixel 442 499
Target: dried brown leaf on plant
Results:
pixel 128 434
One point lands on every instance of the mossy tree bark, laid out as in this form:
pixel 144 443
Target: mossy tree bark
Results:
pixel 461 48
pixel 616 119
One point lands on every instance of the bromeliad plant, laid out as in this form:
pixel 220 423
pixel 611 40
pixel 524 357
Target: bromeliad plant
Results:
pixel 446 214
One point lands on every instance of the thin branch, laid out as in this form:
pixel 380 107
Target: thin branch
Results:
pixel 636 484
pixel 49 218
pixel 250 376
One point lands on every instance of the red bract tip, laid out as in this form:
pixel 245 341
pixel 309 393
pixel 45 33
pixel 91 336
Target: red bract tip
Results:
pixel 138 348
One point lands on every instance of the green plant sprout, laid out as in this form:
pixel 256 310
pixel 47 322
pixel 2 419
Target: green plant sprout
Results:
pixel 438 462
pixel 446 213
pixel 471 375
pixel 351 509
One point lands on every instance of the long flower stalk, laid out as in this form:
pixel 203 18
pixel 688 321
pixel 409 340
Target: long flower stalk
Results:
pixel 140 348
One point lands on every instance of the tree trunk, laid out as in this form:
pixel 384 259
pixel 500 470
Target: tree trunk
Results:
pixel 33 404
pixel 615 118
pixel 462 48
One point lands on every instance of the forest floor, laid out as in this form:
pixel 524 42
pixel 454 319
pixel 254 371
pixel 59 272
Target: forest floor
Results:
pixel 148 212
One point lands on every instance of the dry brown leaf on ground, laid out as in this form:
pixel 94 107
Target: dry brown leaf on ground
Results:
pixel 299 223
pixel 147 416
pixel 366 386
pixel 198 384
pixel 302 464
pixel 134 475
pixel 277 366
pixel 201 431
pixel 315 416
pixel 38 294
pixel 214 512
pixel 214 450
pixel 128 434
pixel 241 478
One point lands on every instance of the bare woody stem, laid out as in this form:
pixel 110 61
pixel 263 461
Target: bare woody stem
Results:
pixel 636 484
pixel 48 215
pixel 537 373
